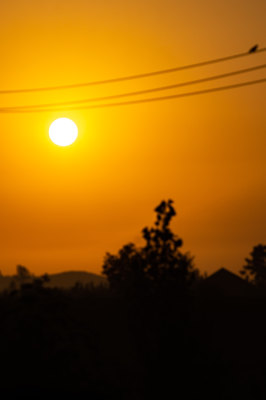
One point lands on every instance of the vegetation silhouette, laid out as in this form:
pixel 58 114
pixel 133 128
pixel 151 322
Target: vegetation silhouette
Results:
pixel 255 268
pixel 23 274
pixel 159 263
pixel 159 329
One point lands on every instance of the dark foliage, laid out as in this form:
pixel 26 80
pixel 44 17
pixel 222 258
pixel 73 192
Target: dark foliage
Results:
pixel 162 341
pixel 255 268
pixel 23 273
pixel 87 343
pixel 158 264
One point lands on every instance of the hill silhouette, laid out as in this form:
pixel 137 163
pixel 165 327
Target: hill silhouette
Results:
pixel 61 280
pixel 68 279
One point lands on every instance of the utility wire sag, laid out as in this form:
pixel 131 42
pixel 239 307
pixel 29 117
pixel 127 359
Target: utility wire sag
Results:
pixel 140 101
pixel 139 92
pixel 136 76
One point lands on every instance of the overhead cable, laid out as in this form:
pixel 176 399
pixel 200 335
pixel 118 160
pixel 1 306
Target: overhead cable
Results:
pixel 139 101
pixel 136 76
pixel 139 92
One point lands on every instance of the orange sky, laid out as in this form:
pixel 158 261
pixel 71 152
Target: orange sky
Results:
pixel 63 208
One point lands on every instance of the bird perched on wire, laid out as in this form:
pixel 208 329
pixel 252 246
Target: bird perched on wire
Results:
pixel 254 49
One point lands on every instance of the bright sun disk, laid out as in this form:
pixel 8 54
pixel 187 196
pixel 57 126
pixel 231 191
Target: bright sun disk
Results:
pixel 63 131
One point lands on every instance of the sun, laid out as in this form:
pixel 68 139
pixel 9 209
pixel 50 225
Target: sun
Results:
pixel 63 132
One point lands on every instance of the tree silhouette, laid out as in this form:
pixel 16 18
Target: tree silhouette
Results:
pixel 39 282
pixel 159 263
pixel 23 274
pixel 255 268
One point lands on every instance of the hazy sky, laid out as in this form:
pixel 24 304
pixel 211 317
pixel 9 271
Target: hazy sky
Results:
pixel 63 208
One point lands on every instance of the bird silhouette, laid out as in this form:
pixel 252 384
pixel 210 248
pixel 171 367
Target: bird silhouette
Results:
pixel 254 49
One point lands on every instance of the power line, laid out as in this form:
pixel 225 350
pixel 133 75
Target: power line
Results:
pixel 139 92
pixel 132 77
pixel 140 101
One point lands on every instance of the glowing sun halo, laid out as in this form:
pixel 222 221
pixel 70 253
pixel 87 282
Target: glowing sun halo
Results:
pixel 63 132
